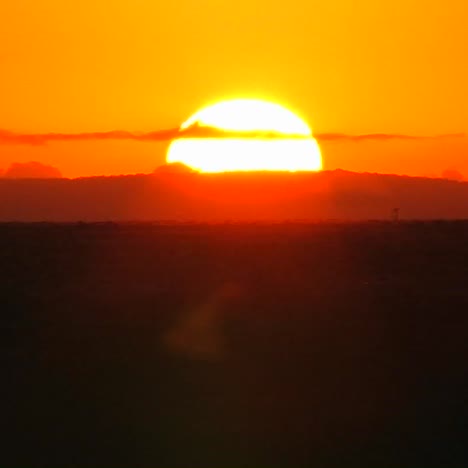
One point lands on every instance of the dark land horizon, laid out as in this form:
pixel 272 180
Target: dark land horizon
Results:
pixel 234 345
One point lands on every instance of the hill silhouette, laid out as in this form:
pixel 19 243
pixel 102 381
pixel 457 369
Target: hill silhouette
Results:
pixel 31 170
pixel 179 195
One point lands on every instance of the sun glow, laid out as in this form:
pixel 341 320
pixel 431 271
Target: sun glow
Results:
pixel 258 136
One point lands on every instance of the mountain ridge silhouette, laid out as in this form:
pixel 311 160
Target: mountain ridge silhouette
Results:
pixel 182 195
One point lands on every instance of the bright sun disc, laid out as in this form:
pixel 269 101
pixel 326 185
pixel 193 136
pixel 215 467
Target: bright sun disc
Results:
pixel 291 149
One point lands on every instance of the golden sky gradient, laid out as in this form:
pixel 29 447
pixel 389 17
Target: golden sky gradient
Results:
pixel 352 67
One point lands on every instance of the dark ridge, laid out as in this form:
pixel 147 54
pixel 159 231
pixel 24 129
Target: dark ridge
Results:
pixel 174 193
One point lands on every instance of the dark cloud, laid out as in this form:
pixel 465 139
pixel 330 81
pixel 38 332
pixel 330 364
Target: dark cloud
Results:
pixel 196 131
pixel 7 137
pixel 382 137
pixel 31 170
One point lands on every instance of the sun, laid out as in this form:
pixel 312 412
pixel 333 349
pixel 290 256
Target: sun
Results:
pixel 246 135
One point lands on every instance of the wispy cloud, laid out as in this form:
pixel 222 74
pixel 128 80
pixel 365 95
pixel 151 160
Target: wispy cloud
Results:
pixel 383 137
pixel 13 138
pixel 7 137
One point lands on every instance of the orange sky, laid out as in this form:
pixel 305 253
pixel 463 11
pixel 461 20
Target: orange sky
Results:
pixel 353 67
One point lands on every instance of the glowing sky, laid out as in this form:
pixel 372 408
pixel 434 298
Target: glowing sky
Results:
pixel 345 66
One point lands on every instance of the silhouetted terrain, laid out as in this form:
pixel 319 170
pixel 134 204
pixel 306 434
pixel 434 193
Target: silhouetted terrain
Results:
pixel 233 345
pixel 31 170
pixel 175 195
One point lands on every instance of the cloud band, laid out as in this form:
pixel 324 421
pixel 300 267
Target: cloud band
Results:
pixel 37 139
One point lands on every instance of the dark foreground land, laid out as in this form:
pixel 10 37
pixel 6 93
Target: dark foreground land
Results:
pixel 234 345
